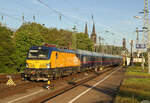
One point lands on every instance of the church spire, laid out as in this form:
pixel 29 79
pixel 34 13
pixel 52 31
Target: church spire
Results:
pixel 93 35
pixel 86 29
pixel 93 31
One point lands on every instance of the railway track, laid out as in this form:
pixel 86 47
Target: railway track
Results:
pixel 72 85
pixel 22 87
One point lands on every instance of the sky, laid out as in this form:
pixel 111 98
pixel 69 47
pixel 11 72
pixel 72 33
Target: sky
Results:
pixel 115 16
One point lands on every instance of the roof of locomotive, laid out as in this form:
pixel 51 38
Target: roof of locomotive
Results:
pixel 53 49
pixel 44 47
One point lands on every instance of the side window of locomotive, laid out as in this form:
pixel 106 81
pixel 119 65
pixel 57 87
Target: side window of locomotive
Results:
pixel 56 55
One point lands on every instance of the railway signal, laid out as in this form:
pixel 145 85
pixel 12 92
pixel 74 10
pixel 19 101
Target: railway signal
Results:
pixel 131 58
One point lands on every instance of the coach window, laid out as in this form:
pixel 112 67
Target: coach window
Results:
pixel 84 59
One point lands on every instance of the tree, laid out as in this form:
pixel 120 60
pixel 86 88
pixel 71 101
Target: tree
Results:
pixel 6 50
pixel 83 42
pixel 58 37
pixel 15 45
pixel 28 35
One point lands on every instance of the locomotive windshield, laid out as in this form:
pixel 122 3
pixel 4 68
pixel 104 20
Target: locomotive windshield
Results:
pixel 38 54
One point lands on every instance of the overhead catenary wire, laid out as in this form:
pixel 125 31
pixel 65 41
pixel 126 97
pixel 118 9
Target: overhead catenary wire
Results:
pixel 29 8
pixel 57 12
pixel 62 14
pixel 10 16
pixel 67 15
pixel 33 12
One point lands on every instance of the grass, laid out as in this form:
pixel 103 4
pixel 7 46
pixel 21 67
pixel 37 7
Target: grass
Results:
pixel 134 90
pixel 137 71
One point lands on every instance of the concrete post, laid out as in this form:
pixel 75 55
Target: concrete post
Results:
pixel 148 48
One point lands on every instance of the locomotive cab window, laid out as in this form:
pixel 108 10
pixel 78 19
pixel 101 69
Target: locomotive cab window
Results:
pixel 38 54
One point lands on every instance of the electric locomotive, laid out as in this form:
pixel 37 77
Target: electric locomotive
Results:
pixel 49 62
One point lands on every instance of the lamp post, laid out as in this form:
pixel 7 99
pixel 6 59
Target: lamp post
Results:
pixel 100 44
pixel 148 47
pixel 74 38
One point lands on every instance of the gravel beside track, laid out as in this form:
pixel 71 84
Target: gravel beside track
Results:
pixel 23 86
pixel 4 78
pixel 58 92
pixel 59 84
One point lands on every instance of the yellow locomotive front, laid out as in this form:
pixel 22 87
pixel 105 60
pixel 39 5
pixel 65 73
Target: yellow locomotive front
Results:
pixel 38 63
pixel 47 62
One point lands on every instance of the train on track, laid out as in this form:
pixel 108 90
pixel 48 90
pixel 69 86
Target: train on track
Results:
pixel 49 62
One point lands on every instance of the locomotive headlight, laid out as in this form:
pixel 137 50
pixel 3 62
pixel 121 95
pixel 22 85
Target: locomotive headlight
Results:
pixel 48 65
pixel 27 65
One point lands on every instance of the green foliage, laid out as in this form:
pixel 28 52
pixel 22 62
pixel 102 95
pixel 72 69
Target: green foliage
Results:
pixel 131 90
pixel 62 38
pixel 58 37
pixel 83 42
pixel 146 58
pixel 137 71
pixel 67 38
pixel 14 46
pixel 137 64
pixel 6 50
pixel 26 36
